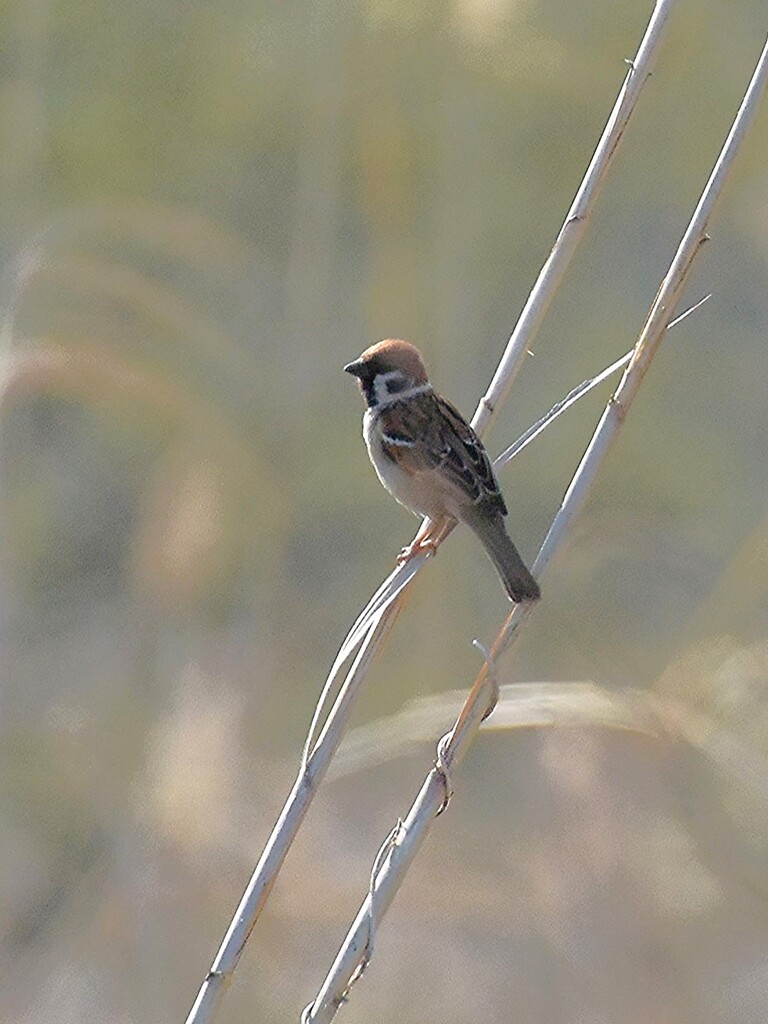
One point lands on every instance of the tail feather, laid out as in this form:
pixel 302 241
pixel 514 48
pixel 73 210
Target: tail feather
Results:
pixel 513 572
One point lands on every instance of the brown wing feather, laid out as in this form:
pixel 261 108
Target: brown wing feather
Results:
pixel 468 460
pixel 428 434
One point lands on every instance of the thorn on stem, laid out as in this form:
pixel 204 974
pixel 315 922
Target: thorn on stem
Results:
pixel 443 770
pixel 618 405
pixel 492 676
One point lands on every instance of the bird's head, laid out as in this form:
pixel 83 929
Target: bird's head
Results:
pixel 389 371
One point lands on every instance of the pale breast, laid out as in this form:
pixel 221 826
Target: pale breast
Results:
pixel 415 491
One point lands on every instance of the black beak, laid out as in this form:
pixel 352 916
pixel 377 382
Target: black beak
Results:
pixel 355 368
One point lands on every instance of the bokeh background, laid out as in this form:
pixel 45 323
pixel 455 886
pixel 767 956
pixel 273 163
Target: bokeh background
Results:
pixel 206 210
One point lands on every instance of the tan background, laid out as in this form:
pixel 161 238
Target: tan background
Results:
pixel 206 210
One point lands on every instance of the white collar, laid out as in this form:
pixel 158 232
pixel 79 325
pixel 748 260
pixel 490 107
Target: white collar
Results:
pixel 384 398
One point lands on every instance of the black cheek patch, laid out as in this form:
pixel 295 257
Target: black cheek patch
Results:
pixel 396 385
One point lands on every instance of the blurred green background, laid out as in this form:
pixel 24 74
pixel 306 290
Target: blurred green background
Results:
pixel 207 209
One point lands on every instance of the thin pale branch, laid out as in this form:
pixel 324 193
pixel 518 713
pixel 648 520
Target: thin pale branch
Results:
pixel 573 396
pixel 385 604
pixel 353 955
pixel 576 222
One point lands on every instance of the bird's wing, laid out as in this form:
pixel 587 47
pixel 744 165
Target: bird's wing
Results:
pixel 428 433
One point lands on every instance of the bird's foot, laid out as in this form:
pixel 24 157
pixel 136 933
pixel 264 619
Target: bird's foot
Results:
pixel 428 544
pixel 425 541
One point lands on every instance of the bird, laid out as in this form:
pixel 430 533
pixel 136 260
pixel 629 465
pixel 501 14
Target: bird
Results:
pixel 432 461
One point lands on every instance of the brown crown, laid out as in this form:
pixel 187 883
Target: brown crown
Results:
pixel 395 354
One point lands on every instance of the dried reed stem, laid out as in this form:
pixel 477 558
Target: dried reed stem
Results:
pixel 374 622
pixel 431 799
pixel 575 224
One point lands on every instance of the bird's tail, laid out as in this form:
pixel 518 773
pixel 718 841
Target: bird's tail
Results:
pixel 512 570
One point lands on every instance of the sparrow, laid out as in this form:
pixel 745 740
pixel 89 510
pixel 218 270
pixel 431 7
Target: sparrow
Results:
pixel 430 459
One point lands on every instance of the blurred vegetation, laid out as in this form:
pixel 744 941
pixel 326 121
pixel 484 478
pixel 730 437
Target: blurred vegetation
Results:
pixel 206 210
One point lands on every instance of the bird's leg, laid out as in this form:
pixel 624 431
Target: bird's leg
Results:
pixel 427 539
